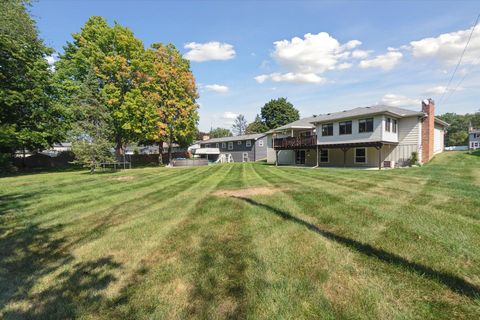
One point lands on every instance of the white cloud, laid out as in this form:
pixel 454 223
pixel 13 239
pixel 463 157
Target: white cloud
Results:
pixel 216 88
pixel 315 53
pixel 360 54
pixel 228 117
pixel 213 50
pixel 385 61
pixel 345 65
pixel 51 61
pixel 448 47
pixel 441 90
pixel 291 77
pixel 399 101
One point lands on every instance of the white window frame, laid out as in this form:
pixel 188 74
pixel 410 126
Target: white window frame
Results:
pixel 260 143
pixel 239 142
pixel 320 156
pixel 224 145
pixel 207 145
pixel 388 124
pixel 355 156
pixel 245 155
pixel 216 145
pixel 248 143
pixel 230 145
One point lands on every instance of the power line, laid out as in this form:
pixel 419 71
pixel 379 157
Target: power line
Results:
pixel 459 83
pixel 460 60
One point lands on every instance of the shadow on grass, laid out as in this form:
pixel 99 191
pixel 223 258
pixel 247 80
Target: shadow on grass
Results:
pixel 30 255
pixel 455 283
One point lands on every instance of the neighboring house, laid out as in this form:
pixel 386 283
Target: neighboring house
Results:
pixel 152 149
pixel 57 148
pixel 250 147
pixel 376 136
pixel 474 139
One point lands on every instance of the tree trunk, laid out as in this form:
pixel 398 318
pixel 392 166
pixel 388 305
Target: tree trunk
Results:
pixel 160 152
pixel 170 138
pixel 119 150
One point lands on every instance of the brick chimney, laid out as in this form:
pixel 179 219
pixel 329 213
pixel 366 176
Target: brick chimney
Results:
pixel 428 125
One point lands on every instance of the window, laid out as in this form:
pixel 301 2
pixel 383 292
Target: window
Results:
pixel 327 129
pixel 224 145
pixel 230 145
pixel 345 127
pixel 207 145
pixel 360 155
pixel 248 143
pixel 239 143
pixel 324 155
pixel 245 157
pixel 365 125
pixel 388 124
pixel 260 143
pixel 216 145
pixel 394 126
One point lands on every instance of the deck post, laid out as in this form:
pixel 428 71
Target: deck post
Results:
pixel 344 156
pixel 379 150
pixel 317 156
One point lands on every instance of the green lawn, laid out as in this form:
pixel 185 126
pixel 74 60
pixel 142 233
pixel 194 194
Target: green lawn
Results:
pixel 158 243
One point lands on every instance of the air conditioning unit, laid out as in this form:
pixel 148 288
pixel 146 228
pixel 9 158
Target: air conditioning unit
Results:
pixel 389 164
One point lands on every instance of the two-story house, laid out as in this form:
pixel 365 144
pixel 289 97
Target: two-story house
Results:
pixel 376 136
pixel 245 148
pixel 474 139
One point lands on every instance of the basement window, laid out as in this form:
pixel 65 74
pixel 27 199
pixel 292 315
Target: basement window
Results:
pixel 360 155
pixel 324 156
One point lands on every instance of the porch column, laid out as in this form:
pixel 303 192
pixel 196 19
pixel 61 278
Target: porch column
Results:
pixel 317 156
pixel 379 150
pixel 344 156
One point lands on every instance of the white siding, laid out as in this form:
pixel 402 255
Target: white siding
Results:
pixel 389 136
pixel 438 137
pixel 409 131
pixel 376 135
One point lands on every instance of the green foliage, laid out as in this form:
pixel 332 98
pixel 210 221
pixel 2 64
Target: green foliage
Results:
pixel 171 92
pixel 220 133
pixel 257 126
pixel 93 126
pixel 457 132
pixel 239 126
pixel 29 115
pixel 414 158
pixel 278 112
pixel 116 56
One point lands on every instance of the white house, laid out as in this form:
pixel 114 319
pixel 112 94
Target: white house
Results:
pixel 376 136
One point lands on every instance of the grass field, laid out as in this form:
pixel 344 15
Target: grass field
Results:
pixel 243 241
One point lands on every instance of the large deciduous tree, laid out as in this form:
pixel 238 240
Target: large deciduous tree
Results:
pixel 457 132
pixel 30 118
pixel 170 88
pixel 220 133
pixel 116 58
pixel 257 126
pixel 278 112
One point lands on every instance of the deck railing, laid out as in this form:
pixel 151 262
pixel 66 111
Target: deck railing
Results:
pixel 295 142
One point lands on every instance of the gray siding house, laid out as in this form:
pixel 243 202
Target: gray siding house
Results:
pixel 245 148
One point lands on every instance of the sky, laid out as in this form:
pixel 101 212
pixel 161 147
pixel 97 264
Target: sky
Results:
pixel 322 56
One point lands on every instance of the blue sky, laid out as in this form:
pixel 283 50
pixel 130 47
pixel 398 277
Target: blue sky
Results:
pixel 322 56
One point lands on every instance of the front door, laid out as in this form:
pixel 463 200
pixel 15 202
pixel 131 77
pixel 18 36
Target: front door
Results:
pixel 300 157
